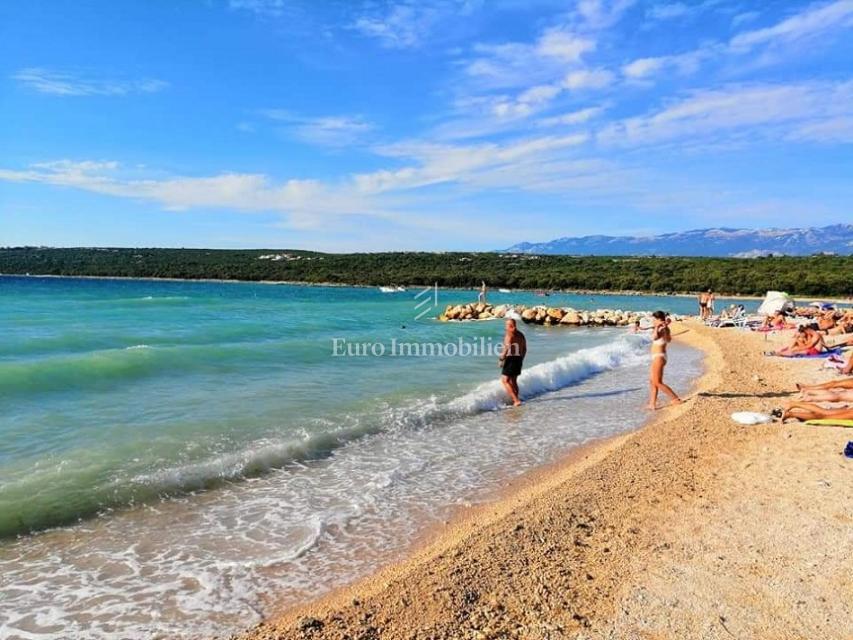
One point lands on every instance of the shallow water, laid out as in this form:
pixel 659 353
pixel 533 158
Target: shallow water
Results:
pixel 194 448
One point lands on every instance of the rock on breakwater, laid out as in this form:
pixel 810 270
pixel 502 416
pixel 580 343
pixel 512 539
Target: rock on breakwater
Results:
pixel 543 315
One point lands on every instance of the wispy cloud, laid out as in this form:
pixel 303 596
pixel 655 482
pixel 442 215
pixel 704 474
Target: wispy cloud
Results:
pixel 329 131
pixel 743 18
pixel 268 7
pixel 515 64
pixel 236 191
pixel 600 14
pixel 805 111
pixel 667 10
pixel 563 45
pixel 572 118
pixel 69 84
pixel 406 24
pixel 812 23
pixel 816 20
pixel 684 63
pixel 375 194
pixel 402 27
pixel 587 79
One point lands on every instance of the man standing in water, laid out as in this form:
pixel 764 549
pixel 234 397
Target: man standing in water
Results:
pixel 512 356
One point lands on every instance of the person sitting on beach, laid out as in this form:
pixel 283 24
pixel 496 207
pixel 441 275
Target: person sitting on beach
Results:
pixel 810 411
pixel 807 342
pixel 661 337
pixel 511 359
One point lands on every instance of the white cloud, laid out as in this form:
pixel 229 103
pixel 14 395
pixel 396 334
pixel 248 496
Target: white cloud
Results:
pixel 600 14
pixel 431 164
pixel 643 67
pixel 587 79
pixel 404 26
pixel 69 84
pixel 271 7
pixel 575 117
pixel 407 23
pixel 237 191
pixel 751 112
pixel 329 131
pixel 525 104
pixel 667 10
pixel 376 194
pixel 683 63
pixel 563 45
pixel 830 131
pixel 514 64
pixel 743 18
pixel 810 23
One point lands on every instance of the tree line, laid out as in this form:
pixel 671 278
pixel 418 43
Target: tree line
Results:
pixel 811 276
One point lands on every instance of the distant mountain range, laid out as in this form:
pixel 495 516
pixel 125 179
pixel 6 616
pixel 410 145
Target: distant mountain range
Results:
pixel 739 243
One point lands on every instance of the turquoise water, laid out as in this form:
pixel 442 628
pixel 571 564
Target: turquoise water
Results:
pixel 122 400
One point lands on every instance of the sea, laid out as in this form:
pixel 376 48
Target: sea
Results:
pixel 181 459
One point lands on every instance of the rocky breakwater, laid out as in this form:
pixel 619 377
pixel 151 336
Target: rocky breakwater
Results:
pixel 543 315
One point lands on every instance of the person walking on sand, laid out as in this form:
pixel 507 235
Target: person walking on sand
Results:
pixel 513 350
pixel 706 304
pixel 481 297
pixel 661 337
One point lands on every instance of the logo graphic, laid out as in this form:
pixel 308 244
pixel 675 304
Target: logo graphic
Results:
pixel 428 300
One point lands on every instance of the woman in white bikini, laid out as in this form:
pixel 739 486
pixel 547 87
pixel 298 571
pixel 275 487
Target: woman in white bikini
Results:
pixel 661 337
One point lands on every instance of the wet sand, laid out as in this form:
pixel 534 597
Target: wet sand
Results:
pixel 692 527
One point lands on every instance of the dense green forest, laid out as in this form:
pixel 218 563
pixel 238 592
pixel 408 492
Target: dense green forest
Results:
pixel 814 276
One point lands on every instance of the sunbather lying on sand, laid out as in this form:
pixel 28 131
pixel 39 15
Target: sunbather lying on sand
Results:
pixel 807 342
pixel 841 383
pixel 844 326
pixel 826 395
pixel 810 411
pixel 826 321
pixel 777 321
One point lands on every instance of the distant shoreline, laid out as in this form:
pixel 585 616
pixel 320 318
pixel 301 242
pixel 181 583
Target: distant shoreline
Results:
pixel 302 283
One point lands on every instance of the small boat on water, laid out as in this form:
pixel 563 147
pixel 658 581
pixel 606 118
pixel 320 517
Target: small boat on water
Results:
pixel 392 289
pixel 505 290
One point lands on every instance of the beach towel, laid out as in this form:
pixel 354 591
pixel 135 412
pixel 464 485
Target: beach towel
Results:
pixel 751 417
pixel 830 422
pixel 834 362
pixel 823 354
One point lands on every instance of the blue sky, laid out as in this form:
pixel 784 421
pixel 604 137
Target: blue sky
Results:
pixel 454 124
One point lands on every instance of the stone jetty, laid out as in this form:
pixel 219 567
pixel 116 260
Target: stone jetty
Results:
pixel 543 315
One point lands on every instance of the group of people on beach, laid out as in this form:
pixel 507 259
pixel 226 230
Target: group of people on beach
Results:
pixel 817 331
pixel 514 349
pixel 838 392
pixel 812 337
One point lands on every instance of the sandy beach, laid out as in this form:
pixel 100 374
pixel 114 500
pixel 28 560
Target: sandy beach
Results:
pixel 691 527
